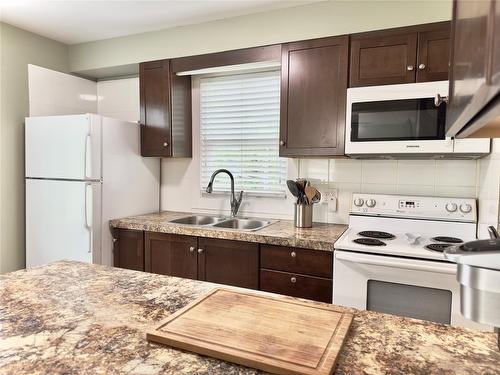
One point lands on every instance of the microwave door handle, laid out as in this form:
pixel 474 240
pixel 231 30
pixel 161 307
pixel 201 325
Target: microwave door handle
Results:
pixel 385 261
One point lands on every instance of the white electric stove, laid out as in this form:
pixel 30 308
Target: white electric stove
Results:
pixel 391 260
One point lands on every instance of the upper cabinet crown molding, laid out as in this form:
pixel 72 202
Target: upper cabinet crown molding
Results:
pixel 165 111
pixel 401 55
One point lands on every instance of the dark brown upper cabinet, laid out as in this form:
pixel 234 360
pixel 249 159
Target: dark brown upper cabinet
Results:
pixel 128 249
pixel 474 104
pixel 313 97
pixel 403 55
pixel 165 111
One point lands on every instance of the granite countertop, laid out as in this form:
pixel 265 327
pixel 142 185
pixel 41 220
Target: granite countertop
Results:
pixel 283 232
pixel 75 318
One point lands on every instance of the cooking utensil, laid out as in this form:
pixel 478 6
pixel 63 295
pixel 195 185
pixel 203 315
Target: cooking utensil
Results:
pixel 317 197
pixel 292 186
pixel 310 192
pixel 221 324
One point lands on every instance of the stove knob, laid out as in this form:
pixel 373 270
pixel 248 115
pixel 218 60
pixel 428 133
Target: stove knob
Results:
pixel 451 207
pixel 371 202
pixel 358 202
pixel 465 208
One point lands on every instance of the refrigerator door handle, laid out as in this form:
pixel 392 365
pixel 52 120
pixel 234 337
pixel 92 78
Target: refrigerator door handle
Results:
pixel 88 224
pixel 88 152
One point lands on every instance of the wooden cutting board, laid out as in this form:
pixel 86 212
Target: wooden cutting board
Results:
pixel 274 334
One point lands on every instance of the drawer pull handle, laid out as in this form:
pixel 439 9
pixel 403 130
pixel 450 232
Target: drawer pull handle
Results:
pixel 293 280
pixel 293 254
pixel 191 249
pixel 200 251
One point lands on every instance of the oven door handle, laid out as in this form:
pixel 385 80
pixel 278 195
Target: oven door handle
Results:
pixel 388 261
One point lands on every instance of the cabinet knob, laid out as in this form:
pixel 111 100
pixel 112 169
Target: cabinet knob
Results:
pixel 293 254
pixel 421 66
pixel 409 67
pixel 114 240
pixel 282 143
pixel 200 251
pixel 191 249
pixel 293 280
pixel 165 144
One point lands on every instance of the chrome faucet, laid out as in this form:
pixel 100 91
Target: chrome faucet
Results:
pixel 235 203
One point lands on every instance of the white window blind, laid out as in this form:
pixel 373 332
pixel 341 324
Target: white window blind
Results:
pixel 239 131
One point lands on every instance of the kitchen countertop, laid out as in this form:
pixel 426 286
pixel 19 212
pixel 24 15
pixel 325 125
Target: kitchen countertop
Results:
pixel 283 233
pixel 76 318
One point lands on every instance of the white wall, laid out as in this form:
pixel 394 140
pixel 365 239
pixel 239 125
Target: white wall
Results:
pixel 18 48
pixel 54 93
pixel 180 185
pixel 488 190
pixel 326 18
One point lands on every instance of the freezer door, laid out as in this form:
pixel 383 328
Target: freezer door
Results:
pixel 64 147
pixel 63 221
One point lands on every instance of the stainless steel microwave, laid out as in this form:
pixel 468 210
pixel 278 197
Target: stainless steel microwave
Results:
pixel 397 121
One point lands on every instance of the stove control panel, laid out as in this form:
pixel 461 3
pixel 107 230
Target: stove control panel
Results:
pixel 433 208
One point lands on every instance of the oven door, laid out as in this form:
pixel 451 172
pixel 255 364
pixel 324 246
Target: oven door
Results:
pixel 414 288
pixel 397 119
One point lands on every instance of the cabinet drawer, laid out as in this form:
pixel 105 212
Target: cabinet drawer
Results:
pixel 304 261
pixel 295 285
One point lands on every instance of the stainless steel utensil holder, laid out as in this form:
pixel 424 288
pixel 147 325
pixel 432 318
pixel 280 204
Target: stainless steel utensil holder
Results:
pixel 303 215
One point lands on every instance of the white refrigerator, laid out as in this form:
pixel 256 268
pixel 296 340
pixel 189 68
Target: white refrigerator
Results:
pixel 81 172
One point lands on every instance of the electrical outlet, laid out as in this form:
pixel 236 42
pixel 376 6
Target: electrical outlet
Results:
pixel 329 197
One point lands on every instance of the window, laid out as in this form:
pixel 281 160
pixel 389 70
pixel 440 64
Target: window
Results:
pixel 239 131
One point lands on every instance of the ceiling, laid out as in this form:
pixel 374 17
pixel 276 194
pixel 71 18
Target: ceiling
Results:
pixel 74 22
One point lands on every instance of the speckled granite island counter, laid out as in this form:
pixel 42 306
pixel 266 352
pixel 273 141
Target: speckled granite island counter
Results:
pixel 283 233
pixel 75 318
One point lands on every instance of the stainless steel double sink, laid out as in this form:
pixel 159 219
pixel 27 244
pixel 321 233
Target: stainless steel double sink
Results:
pixel 223 222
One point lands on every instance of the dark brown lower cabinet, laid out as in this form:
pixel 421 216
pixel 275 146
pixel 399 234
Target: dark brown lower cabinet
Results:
pixel 229 262
pixel 219 261
pixel 296 285
pixel 290 271
pixel 128 249
pixel 297 272
pixel 171 254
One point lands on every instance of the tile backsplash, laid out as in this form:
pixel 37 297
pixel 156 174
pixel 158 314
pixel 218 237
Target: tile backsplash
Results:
pixel 455 178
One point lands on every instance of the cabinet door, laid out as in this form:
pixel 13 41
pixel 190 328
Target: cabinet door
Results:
pixel 229 262
pixel 433 62
pixel 128 249
pixel 171 254
pixel 155 108
pixel 475 69
pixel 383 58
pixel 313 97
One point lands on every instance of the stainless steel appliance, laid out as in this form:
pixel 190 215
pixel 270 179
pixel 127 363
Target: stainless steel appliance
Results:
pixel 479 278
pixel 403 121
pixel 391 260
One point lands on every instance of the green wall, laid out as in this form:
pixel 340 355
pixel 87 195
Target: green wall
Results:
pixel 18 48
pixel 305 22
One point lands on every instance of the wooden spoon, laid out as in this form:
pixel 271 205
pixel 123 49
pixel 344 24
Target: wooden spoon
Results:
pixel 310 193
